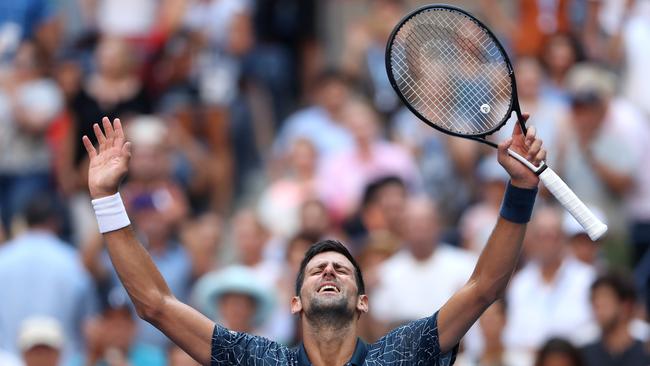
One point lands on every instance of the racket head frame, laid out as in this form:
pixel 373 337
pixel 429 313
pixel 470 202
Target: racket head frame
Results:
pixel 514 102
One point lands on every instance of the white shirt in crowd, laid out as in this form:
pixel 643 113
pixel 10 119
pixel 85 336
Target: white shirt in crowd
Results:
pixel 538 310
pixel 411 289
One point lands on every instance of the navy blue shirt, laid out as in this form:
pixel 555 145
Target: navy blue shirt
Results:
pixel 415 343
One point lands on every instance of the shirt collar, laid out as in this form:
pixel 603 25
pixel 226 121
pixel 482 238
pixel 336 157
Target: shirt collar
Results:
pixel 357 359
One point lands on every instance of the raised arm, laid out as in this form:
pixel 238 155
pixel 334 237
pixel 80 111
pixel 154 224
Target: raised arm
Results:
pixel 499 257
pixel 146 287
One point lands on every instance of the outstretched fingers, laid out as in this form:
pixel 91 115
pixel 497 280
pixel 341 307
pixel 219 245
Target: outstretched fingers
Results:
pixel 108 128
pixel 89 146
pixel 101 139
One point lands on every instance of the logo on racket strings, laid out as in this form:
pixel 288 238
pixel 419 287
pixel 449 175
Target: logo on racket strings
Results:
pixel 485 109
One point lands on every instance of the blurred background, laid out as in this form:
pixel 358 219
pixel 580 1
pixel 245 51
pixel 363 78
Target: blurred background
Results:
pixel 262 126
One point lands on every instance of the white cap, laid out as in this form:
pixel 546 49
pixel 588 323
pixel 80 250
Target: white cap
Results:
pixel 40 331
pixel 572 227
pixel 146 130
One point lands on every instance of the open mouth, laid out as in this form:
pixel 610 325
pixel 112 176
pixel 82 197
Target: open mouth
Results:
pixel 328 288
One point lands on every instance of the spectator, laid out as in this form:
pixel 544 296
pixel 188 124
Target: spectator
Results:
pixel 26 19
pixel 410 285
pixel 234 297
pixel 494 353
pixel 279 205
pixel 369 159
pixel 549 296
pixel 40 341
pixel 321 122
pixel 381 212
pixel 532 24
pixel 315 219
pixel 559 54
pixel 601 148
pixel 112 337
pixel 559 352
pixel 613 298
pixel 29 102
pixel 580 245
pixel 42 275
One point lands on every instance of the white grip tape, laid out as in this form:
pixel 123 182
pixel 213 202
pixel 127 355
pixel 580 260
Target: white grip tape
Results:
pixel 594 227
pixel 111 214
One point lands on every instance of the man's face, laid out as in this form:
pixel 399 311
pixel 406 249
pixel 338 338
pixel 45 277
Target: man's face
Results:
pixel 607 307
pixel 329 291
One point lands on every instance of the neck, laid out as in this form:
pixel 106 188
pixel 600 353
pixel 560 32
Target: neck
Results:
pixel 549 269
pixel 618 339
pixel 329 345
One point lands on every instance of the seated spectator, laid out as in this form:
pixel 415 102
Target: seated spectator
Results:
pixel 613 298
pixel 235 298
pixel 111 337
pixel 43 276
pixel 581 246
pixel 549 296
pixel 494 352
pixel 409 285
pixel 279 205
pixel 370 158
pixel 322 122
pixel 559 352
pixel 29 102
pixel 41 341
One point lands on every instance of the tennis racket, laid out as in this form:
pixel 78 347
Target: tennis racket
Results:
pixel 452 73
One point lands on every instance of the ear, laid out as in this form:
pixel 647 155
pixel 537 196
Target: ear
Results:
pixel 362 304
pixel 296 305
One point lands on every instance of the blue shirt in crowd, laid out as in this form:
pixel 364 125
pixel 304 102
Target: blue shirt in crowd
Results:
pixel 415 343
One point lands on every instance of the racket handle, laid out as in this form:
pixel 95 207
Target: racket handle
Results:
pixel 594 227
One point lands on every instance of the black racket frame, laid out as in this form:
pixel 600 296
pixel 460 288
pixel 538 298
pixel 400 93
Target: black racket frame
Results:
pixel 514 103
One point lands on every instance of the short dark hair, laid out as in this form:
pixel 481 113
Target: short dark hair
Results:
pixel 329 245
pixel 619 282
pixel 562 346
pixel 41 208
pixel 372 190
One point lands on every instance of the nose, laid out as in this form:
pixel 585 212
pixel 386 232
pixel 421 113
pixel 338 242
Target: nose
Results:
pixel 329 271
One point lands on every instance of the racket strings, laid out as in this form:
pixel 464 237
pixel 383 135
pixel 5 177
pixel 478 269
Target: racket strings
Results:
pixel 452 72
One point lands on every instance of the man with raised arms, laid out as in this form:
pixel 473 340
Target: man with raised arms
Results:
pixel 330 295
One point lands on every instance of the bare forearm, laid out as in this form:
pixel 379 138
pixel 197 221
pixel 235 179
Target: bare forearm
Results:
pixel 137 271
pixel 498 259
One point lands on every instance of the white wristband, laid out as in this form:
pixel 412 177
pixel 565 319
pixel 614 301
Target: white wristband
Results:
pixel 111 214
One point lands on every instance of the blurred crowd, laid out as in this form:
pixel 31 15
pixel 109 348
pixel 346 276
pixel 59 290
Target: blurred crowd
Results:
pixel 261 126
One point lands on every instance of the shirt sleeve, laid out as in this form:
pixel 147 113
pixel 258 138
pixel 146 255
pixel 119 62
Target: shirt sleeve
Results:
pixel 235 348
pixel 415 343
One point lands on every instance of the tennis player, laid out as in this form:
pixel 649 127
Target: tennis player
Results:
pixel 330 294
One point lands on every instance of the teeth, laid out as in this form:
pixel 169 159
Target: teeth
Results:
pixel 328 287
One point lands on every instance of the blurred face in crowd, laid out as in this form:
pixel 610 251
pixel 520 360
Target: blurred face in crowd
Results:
pixel 587 119
pixel 303 158
pixel 421 227
pixel 314 217
pixel 149 162
pixel 544 238
pixel 362 122
pixel 608 309
pixel 333 95
pixel 41 355
pixel 237 311
pixel 250 237
pixel 529 75
pixel 558 359
pixel 584 249
pixel 27 65
pixel 559 54
pixel 329 295
pixel 118 329
pixel 114 58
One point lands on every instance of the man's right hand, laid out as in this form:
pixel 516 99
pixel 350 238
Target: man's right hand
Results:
pixel 110 163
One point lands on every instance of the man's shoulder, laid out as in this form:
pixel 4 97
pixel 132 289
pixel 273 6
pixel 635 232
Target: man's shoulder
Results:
pixel 230 347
